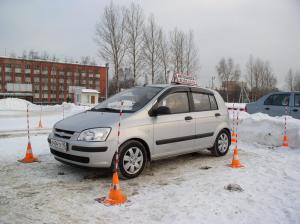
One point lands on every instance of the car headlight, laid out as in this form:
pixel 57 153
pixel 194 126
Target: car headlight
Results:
pixel 94 135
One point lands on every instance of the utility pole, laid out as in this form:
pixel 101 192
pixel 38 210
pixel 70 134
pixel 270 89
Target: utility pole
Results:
pixel 107 67
pixel 212 81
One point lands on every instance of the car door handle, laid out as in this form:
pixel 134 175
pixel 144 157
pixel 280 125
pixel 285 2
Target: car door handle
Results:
pixel 267 108
pixel 217 115
pixel 295 110
pixel 188 118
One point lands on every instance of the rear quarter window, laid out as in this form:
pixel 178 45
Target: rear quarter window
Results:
pixel 213 102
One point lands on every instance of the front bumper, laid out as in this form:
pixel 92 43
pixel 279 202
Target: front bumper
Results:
pixel 89 154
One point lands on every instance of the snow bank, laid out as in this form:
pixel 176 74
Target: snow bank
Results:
pixel 262 129
pixel 18 107
pixel 13 114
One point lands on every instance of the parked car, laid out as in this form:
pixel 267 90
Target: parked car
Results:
pixel 163 121
pixel 276 104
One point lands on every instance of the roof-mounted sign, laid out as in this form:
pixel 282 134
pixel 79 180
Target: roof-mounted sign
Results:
pixel 184 79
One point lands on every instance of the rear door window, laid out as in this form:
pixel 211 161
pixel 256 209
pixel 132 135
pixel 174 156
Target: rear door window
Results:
pixel 176 102
pixel 278 100
pixel 201 102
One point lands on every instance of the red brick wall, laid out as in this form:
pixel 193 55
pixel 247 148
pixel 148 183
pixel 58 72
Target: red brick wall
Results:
pixel 90 82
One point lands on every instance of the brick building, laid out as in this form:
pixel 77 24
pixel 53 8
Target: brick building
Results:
pixel 49 82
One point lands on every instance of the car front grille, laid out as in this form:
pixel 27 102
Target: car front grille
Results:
pixel 63 133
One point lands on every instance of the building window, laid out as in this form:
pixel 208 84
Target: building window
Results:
pixel 27 66
pixel 8 65
pixel 8 76
pixel 18 79
pixel 36 71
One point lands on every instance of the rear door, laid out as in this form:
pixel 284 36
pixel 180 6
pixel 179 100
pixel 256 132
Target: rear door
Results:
pixel 174 132
pixel 295 110
pixel 207 117
pixel 276 104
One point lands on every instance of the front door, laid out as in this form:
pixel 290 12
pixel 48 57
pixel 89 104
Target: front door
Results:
pixel 174 132
pixel 92 99
pixel 295 110
pixel 277 104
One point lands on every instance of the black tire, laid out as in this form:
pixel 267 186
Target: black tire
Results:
pixel 136 147
pixel 219 148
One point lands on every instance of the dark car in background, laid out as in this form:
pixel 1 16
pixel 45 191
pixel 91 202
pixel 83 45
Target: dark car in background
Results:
pixel 276 104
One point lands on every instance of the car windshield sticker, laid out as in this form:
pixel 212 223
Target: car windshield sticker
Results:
pixel 127 105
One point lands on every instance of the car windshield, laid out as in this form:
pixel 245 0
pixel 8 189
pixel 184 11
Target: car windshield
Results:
pixel 133 99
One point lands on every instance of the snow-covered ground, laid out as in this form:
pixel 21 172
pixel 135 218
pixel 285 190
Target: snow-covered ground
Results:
pixel 185 189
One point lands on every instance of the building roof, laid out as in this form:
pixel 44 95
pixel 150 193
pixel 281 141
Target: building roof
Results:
pixel 89 91
pixel 50 61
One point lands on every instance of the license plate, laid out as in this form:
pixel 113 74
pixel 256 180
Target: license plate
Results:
pixel 58 144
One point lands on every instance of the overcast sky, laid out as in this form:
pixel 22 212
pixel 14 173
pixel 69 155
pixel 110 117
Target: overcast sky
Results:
pixel 269 29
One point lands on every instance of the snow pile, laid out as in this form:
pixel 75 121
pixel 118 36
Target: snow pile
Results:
pixel 13 115
pixel 262 129
pixel 18 107
pixel 9 104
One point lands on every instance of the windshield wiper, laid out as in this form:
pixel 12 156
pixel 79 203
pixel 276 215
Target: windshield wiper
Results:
pixel 105 109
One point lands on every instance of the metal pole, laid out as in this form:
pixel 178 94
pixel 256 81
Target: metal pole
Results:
pixel 107 67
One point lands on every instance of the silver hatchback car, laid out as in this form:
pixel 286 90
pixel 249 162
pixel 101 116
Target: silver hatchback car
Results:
pixel 162 121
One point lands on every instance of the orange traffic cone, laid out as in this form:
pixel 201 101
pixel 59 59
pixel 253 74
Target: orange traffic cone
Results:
pixel 115 196
pixel 235 160
pixel 29 157
pixel 233 136
pixel 40 124
pixel 285 141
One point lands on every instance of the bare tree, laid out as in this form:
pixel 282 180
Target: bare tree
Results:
pixel 250 73
pixel 164 55
pixel 54 58
pixel 152 36
pixel 297 81
pixel 290 80
pixel 259 77
pixel 177 40
pixel 93 62
pixel 12 54
pixel 24 55
pixel 85 60
pixel 110 37
pixel 134 22
pixel 31 54
pixel 227 72
pixel 44 55
pixel 191 54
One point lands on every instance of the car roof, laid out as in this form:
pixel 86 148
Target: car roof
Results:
pixel 193 88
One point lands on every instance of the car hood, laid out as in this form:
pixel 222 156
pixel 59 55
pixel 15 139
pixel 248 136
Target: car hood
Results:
pixel 89 119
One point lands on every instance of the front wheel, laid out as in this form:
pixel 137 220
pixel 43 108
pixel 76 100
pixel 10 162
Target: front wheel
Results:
pixel 222 144
pixel 132 159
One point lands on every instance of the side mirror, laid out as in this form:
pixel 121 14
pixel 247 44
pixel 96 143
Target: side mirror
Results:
pixel 162 110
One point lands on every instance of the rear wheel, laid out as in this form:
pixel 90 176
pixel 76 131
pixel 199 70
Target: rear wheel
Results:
pixel 132 159
pixel 222 144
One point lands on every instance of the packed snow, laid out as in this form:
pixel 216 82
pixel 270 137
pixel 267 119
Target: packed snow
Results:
pixel 187 189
